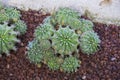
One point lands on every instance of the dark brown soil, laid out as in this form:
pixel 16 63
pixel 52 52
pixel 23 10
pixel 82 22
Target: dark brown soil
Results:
pixel 104 65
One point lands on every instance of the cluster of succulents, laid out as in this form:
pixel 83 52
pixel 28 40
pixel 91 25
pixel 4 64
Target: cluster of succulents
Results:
pixel 12 17
pixel 10 27
pixel 59 36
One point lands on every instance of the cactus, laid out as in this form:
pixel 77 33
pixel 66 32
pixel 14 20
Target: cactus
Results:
pixel 4 17
pixel 39 51
pixel 65 41
pixel 87 25
pixel 35 53
pixel 47 55
pixel 89 42
pixel 13 13
pixel 64 15
pixel 75 24
pixel 54 63
pixel 7 38
pixel 20 26
pixel 44 31
pixel 70 64
pixel 45 44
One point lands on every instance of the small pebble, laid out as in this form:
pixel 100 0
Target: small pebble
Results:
pixel 113 58
pixel 22 44
pixel 8 66
pixel 11 74
pixel 83 77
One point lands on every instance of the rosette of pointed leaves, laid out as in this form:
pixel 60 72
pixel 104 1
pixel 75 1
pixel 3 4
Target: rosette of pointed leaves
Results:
pixel 89 42
pixel 7 38
pixel 65 41
pixel 64 15
pixel 87 25
pixel 20 26
pixel 35 53
pixel 44 31
pixel 70 64
pixel 13 13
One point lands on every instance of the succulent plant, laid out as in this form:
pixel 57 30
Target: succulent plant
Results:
pixel 64 15
pixel 35 53
pixel 44 31
pixel 75 24
pixel 39 51
pixel 20 26
pixel 87 25
pixel 4 17
pixel 70 64
pixel 65 41
pixel 54 63
pixel 89 42
pixel 13 13
pixel 47 55
pixel 7 38
pixel 45 44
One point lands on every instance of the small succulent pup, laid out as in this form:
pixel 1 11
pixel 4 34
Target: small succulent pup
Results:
pixel 89 42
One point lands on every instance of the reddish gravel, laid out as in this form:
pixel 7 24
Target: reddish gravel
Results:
pixel 104 65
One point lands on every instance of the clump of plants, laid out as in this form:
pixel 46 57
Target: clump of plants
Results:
pixel 59 37
pixel 12 17
pixel 10 27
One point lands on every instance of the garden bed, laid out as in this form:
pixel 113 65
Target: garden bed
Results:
pixel 103 65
